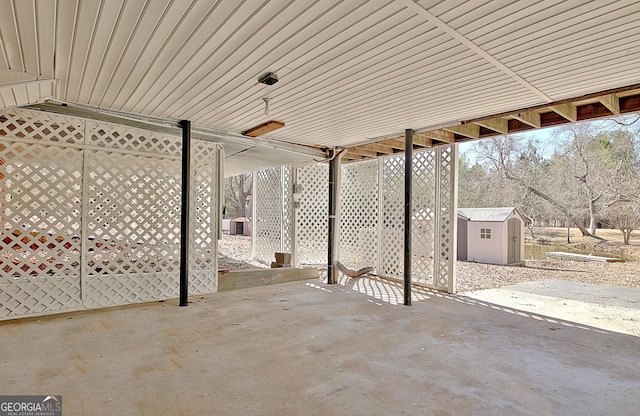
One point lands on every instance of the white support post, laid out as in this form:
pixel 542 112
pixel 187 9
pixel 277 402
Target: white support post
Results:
pixel 220 172
pixel 282 213
pixel 438 217
pixel 379 266
pixel 254 216
pixel 294 213
pixel 84 237
pixel 453 218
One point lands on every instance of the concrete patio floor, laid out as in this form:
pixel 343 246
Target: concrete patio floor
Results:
pixel 305 348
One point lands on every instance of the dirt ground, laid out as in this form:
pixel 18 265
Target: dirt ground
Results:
pixel 235 253
pixel 600 295
pixel 477 276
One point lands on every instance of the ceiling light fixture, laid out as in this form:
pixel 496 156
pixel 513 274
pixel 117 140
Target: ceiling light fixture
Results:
pixel 269 78
pixel 267 101
pixel 264 128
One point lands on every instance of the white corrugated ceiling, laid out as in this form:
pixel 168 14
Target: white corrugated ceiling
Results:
pixel 350 70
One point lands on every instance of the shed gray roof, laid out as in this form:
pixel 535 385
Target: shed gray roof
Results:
pixel 487 214
pixel 461 215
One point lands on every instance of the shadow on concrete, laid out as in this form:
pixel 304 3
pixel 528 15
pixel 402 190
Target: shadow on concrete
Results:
pixel 381 290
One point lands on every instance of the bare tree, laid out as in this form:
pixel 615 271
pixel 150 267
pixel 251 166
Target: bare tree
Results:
pixel 585 152
pixel 595 164
pixel 625 216
pixel 478 187
pixel 238 194
pixel 623 160
pixel 532 209
pixel 592 163
pixel 524 166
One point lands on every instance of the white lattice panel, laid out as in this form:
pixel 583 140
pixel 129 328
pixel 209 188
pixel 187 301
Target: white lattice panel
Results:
pixel 37 296
pixel 392 217
pixel 312 215
pixel 116 136
pixel 445 261
pixel 40 193
pixel 36 125
pixel 359 215
pixel 133 228
pixel 268 214
pixel 287 208
pixel 124 247
pixel 203 218
pixel 424 213
pixel 113 289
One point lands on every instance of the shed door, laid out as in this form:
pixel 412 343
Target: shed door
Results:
pixel 462 239
pixel 515 234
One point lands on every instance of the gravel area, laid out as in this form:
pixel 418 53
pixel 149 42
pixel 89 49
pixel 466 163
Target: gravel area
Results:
pixel 235 253
pixel 477 276
pixel 551 289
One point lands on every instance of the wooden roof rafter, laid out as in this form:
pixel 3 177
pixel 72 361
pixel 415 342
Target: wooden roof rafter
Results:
pixel 385 148
pixel 593 106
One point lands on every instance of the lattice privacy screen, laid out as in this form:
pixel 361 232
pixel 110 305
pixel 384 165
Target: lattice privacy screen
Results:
pixel 287 209
pixel 41 227
pixel 272 226
pixel 311 216
pixel 359 215
pixel 132 228
pixel 424 216
pixel 203 217
pixel 371 215
pixel 90 214
pixel 433 207
pixel 447 201
pixel 392 217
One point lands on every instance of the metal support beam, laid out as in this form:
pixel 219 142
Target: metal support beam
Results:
pixel 184 212
pixel 333 191
pixel 408 170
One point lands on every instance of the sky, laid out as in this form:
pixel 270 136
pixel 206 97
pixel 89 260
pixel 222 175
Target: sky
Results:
pixel 543 136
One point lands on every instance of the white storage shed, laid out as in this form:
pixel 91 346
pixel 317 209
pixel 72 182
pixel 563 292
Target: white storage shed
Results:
pixel 490 235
